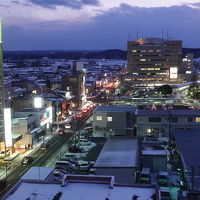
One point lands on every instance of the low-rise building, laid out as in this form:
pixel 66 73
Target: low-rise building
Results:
pixel 119 158
pixel 113 121
pixel 78 187
pixel 162 122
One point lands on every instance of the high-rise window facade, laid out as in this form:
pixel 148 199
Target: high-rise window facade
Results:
pixel 154 59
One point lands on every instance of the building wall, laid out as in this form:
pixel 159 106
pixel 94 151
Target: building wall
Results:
pixel 76 85
pixel 124 175
pixel 105 128
pixel 162 128
pixel 154 162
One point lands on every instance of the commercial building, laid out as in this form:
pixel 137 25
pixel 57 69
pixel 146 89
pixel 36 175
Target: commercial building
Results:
pixel 77 187
pixel 154 61
pixel 1 91
pixel 75 83
pixel 120 158
pixel 113 121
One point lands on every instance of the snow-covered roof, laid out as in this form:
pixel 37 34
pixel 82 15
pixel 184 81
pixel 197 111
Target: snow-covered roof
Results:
pixel 80 190
pixel 118 153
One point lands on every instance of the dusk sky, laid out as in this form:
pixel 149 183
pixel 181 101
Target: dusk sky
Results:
pixel 96 24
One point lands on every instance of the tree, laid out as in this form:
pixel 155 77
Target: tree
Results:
pixel 165 89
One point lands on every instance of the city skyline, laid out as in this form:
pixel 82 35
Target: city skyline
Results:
pixel 95 24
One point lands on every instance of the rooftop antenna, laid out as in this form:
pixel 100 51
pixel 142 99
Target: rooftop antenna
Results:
pixel 162 34
pixel 167 34
pixel 137 35
pixel 129 36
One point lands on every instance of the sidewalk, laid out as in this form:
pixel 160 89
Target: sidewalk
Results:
pixel 10 165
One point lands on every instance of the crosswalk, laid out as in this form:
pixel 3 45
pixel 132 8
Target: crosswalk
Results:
pixel 70 131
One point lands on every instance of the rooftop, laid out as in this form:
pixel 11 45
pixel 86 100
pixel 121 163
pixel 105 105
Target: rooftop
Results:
pixel 115 108
pixel 119 153
pixel 78 189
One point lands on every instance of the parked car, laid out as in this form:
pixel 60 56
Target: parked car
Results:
pixel 145 176
pixel 4 153
pixel 162 178
pixel 70 160
pixel 27 160
pixel 44 146
pixel 84 165
pixel 66 164
pixel 73 156
pixel 74 149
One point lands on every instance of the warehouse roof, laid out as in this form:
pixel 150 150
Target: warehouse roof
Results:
pixel 118 153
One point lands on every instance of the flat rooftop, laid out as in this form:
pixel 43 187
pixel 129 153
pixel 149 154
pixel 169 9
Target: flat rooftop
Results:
pixel 118 152
pixel 115 108
pixel 37 173
pixel 79 191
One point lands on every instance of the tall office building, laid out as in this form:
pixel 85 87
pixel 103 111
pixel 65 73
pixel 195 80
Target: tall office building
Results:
pixel 154 60
pixel 1 89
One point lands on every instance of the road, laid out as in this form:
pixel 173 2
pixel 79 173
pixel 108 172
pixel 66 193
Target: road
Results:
pixel 41 157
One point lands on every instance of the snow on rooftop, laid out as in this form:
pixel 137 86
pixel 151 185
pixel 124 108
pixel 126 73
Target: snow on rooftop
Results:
pixel 79 191
pixel 118 153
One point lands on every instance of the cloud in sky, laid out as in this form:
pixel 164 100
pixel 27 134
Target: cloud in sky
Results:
pixel 97 27
pixel 75 4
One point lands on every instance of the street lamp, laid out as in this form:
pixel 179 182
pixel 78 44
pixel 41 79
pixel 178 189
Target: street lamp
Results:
pixel 38 105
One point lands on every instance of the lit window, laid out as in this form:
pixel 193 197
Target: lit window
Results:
pixel 99 118
pixel 143 60
pixel 198 119
pixel 134 50
pixel 109 119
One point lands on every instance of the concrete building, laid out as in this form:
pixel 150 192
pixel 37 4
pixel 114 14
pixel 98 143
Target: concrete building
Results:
pixel 113 120
pixel 162 122
pixel 119 158
pixel 36 185
pixel 154 61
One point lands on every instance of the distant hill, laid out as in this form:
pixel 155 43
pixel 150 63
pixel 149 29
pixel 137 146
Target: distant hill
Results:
pixel 78 54
pixel 71 55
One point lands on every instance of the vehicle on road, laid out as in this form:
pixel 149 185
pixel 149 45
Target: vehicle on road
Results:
pixel 44 146
pixel 27 160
